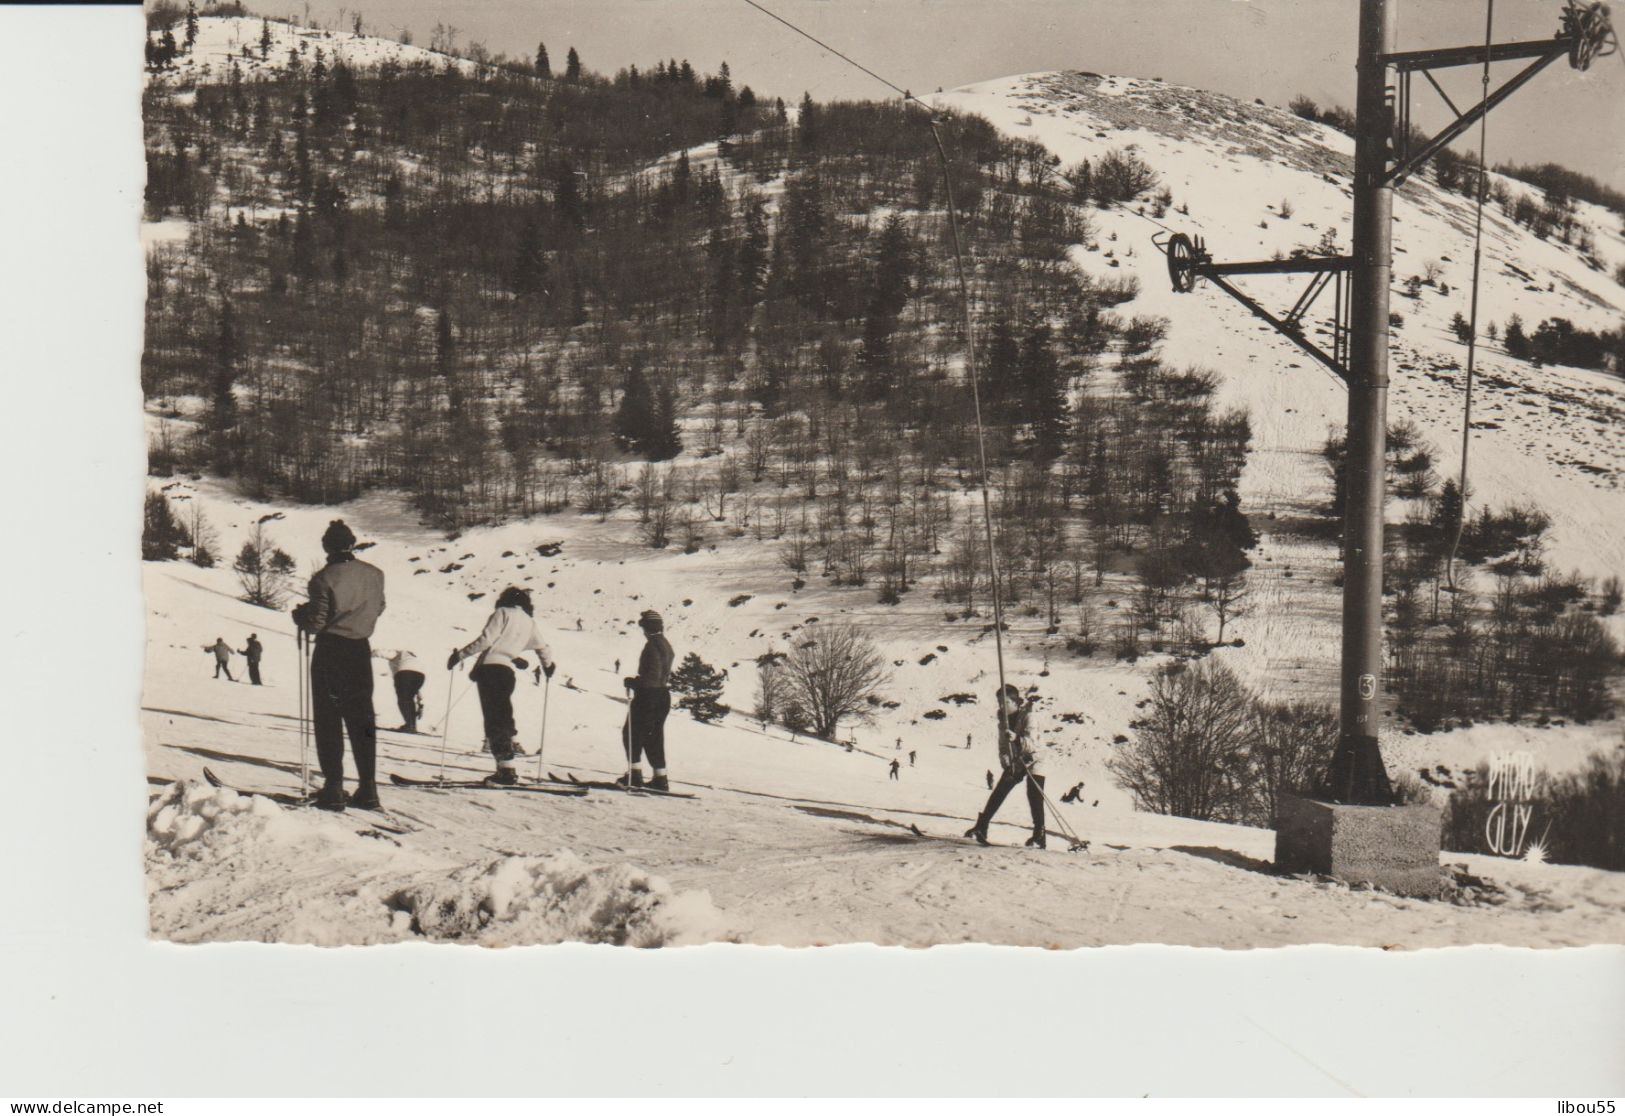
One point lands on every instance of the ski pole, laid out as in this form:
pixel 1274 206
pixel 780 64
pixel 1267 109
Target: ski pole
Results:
pixel 541 743
pixel 626 738
pixel 1066 830
pixel 445 728
pixel 304 735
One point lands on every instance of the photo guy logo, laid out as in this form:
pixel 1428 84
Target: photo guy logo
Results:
pixel 1511 789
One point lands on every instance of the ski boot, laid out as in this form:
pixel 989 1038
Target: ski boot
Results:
pixel 658 783
pixel 633 778
pixel 979 831
pixel 330 797
pixel 1036 841
pixel 503 776
pixel 364 797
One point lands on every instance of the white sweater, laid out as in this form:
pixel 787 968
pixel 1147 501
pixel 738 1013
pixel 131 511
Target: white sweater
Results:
pixel 508 634
pixel 398 661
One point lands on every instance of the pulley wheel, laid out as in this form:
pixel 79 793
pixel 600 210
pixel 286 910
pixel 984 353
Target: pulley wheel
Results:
pixel 1181 263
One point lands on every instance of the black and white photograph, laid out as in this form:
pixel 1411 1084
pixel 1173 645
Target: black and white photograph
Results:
pixel 800 473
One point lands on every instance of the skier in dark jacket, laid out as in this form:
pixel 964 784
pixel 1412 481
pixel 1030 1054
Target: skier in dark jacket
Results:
pixel 893 769
pixel 252 653
pixel 645 731
pixel 346 598
pixel 509 633
pixel 222 657
pixel 1019 762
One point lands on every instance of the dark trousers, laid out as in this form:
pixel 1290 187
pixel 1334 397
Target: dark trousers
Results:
pixel 1007 783
pixel 407 685
pixel 220 665
pixel 495 683
pixel 254 671
pixel 341 702
pixel 646 725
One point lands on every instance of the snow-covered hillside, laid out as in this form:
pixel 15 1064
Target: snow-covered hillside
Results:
pixel 802 841
pixel 221 41
pixel 792 841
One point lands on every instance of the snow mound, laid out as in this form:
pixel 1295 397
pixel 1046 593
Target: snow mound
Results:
pixel 194 821
pixel 559 898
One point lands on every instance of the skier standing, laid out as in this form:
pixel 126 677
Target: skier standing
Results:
pixel 222 656
pixel 252 653
pixel 893 769
pixel 1020 763
pixel 346 597
pixel 911 759
pixel 408 680
pixel 510 631
pixel 645 731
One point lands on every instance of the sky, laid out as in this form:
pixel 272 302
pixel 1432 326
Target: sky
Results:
pixel 1269 49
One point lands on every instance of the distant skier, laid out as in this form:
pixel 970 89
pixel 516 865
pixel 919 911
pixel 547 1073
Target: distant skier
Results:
pixel 617 666
pixel 345 600
pixel 578 623
pixel 990 780
pixel 911 759
pixel 508 633
pixel 1072 795
pixel 252 653
pixel 408 679
pixel 222 657
pixel 1020 763
pixel 894 764
pixel 645 731
pixel 967 742
pixel 899 743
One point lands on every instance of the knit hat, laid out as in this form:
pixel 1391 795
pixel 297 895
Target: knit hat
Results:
pixel 338 538
pixel 651 617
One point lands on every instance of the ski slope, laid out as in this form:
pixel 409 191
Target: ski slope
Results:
pixel 791 842
pixel 800 842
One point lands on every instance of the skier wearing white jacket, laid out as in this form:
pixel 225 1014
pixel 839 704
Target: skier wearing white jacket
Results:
pixel 408 679
pixel 508 634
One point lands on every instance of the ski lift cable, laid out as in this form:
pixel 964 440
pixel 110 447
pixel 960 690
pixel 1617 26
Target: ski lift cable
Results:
pixel 1472 313
pixel 970 336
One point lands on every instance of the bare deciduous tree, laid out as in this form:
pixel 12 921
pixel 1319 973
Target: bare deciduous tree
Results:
pixel 833 675
pixel 1189 756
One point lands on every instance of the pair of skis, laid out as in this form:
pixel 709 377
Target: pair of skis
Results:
pixel 393 825
pixel 567 790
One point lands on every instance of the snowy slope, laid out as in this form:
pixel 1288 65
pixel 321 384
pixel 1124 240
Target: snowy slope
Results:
pixel 1550 436
pixel 792 842
pixel 748 862
pixel 221 39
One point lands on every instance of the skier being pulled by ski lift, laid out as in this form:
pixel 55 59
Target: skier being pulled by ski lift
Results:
pixel 645 731
pixel 1019 762
pixel 508 634
pixel 408 679
pixel 346 597
pixel 253 653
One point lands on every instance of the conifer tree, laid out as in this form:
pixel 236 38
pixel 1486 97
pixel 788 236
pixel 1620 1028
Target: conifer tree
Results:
pixel 223 400
pixel 1044 391
pixel 265 40
pixel 701 686
pixel 634 418
pixel 544 69
pixel 666 437
pixel 191 25
pixel 161 532
pixel 572 66
pixel 530 261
